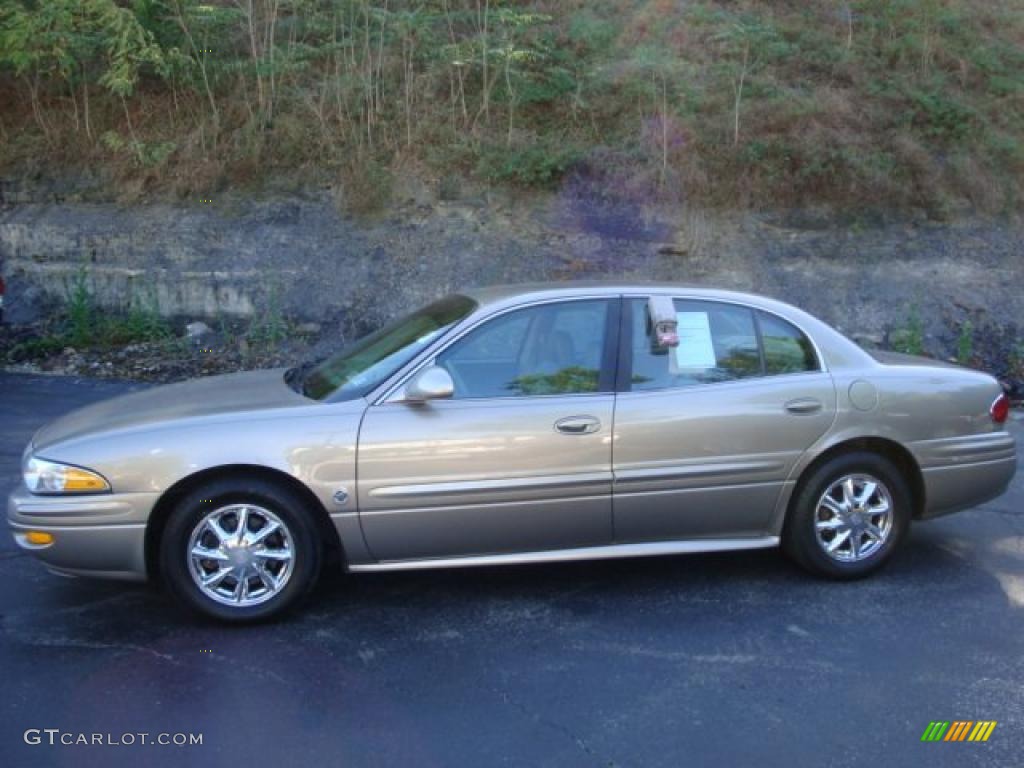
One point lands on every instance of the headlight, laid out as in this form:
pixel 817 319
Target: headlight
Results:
pixel 43 476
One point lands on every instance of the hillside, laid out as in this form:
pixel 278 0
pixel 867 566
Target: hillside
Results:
pixel 875 104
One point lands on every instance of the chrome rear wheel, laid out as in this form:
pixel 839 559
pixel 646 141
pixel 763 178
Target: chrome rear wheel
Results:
pixel 853 518
pixel 848 515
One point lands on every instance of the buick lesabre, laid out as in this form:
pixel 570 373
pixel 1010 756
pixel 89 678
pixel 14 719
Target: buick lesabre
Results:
pixel 518 425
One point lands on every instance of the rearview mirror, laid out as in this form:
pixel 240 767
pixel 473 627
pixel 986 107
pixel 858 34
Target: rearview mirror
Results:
pixel 432 383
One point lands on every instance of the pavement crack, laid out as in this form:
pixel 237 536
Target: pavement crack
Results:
pixel 19 627
pixel 67 642
pixel 579 742
pixel 80 607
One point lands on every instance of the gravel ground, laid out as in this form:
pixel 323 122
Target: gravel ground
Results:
pixel 172 359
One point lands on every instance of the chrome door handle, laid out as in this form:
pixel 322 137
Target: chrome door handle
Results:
pixel 803 405
pixel 578 425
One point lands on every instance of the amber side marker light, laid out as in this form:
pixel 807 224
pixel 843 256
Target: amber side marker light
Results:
pixel 39 538
pixel 1000 409
pixel 79 480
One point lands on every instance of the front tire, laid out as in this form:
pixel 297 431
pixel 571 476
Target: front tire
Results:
pixel 240 550
pixel 849 517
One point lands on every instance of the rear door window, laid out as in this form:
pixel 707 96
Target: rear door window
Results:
pixel 717 342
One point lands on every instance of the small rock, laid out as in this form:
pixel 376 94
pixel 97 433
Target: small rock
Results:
pixel 197 329
pixel 307 329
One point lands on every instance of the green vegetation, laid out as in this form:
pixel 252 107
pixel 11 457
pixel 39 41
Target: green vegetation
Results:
pixel 81 311
pixel 85 325
pixel 36 348
pixel 1015 360
pixel 910 339
pixel 268 327
pixel 82 324
pixel 965 343
pixel 757 103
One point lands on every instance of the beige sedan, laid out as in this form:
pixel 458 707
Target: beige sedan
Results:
pixel 518 425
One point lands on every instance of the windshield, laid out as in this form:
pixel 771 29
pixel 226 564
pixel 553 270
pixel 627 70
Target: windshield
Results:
pixel 361 367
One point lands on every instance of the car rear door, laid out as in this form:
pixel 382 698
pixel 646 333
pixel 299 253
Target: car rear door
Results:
pixel 708 432
pixel 518 460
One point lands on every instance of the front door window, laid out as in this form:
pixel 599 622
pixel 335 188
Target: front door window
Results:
pixel 548 349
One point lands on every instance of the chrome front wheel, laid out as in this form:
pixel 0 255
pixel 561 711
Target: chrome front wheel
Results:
pixel 241 555
pixel 240 548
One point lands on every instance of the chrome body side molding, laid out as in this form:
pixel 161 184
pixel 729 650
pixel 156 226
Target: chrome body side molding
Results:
pixel 641 549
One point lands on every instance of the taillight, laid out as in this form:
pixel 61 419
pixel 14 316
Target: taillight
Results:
pixel 1000 409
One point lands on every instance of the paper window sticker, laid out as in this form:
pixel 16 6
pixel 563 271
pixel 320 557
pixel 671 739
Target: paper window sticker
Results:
pixel 695 350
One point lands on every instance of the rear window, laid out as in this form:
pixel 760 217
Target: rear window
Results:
pixel 786 348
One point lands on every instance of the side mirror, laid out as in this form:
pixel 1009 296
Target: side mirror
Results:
pixel 432 383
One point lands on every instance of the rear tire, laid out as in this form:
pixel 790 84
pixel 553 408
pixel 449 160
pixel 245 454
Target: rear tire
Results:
pixel 848 517
pixel 240 550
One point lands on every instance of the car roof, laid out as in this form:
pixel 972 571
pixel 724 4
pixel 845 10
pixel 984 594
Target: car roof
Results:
pixel 836 349
pixel 525 292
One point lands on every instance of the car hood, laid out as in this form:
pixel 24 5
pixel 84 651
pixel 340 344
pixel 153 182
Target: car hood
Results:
pixel 210 396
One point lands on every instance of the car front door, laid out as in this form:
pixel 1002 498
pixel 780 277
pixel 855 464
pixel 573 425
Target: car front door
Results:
pixel 517 460
pixel 708 432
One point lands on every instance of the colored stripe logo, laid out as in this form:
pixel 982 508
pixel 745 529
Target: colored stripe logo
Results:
pixel 958 730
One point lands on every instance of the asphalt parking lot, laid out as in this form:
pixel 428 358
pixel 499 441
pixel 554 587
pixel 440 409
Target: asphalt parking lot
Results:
pixel 704 660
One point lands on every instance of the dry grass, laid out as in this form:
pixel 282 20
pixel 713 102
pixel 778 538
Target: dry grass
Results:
pixel 750 104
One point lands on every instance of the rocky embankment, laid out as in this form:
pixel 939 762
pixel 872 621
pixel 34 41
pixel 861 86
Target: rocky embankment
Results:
pixel 953 289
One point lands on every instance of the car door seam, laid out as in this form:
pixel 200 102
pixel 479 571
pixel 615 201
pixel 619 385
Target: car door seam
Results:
pixel 358 488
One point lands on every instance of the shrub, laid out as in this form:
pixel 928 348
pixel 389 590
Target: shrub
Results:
pixel 965 343
pixel 753 103
pixel 539 165
pixel 81 310
pixel 910 339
